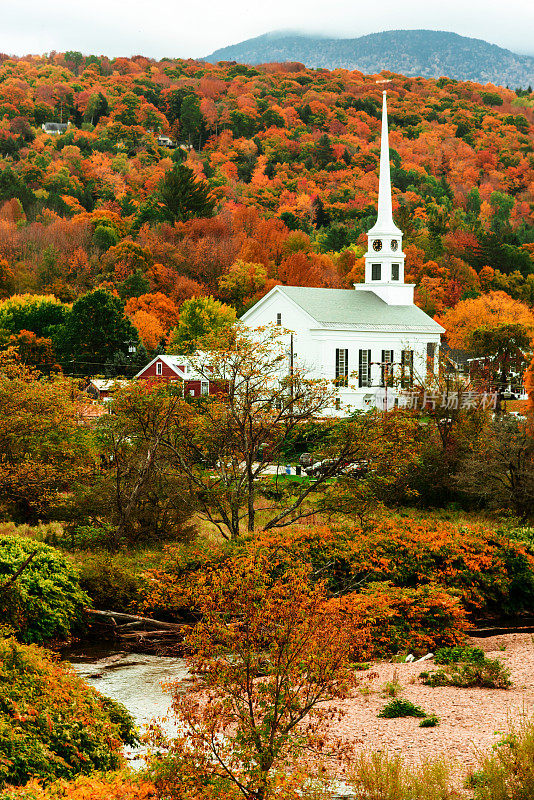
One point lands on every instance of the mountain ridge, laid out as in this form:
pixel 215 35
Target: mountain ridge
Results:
pixel 424 53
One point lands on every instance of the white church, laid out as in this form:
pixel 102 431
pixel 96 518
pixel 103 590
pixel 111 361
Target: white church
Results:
pixel 372 340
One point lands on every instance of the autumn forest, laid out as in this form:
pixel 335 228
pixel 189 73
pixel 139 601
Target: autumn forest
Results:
pixel 272 176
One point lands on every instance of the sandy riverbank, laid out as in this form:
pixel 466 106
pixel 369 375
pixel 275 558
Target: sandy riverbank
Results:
pixel 471 720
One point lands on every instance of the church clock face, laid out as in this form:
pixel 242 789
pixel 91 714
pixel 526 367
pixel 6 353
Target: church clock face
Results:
pixel 394 244
pixel 377 245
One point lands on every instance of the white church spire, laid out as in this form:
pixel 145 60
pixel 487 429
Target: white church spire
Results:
pixel 384 223
pixel 384 260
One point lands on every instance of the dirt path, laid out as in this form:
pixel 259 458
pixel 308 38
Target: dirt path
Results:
pixel 472 720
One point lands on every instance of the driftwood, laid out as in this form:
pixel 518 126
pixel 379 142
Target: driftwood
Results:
pixel 122 620
pixel 142 634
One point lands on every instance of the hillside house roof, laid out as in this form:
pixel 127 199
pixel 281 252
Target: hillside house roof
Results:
pixel 173 362
pixel 108 384
pixel 55 127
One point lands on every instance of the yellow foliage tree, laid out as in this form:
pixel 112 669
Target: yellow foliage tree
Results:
pixel 487 311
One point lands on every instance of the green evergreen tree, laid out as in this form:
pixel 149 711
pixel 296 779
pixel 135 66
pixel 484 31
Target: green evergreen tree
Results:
pixel 94 333
pixel 11 185
pixel 324 152
pixel 191 120
pixel 184 197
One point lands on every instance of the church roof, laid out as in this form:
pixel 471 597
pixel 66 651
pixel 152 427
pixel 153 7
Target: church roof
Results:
pixel 358 310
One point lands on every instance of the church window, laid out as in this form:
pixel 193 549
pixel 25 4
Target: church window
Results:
pixel 386 369
pixel 407 369
pixel 364 368
pixel 278 319
pixel 159 368
pixel 394 272
pixel 376 272
pixel 342 366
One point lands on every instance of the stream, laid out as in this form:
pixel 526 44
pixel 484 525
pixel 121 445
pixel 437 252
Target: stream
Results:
pixel 133 679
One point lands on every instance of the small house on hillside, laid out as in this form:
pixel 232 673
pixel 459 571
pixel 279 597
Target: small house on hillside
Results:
pixel 55 128
pixel 166 141
pixel 178 368
pixel 103 388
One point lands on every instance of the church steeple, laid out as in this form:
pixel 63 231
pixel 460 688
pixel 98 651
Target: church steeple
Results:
pixel 384 224
pixel 384 260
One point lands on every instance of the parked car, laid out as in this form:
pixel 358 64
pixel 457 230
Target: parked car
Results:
pixel 355 468
pixel 306 460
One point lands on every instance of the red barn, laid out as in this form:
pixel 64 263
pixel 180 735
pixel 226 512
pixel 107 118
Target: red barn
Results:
pixel 178 368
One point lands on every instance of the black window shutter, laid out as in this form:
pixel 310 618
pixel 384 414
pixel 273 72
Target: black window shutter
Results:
pixel 342 366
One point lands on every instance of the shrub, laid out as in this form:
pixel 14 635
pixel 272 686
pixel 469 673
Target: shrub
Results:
pixel 110 582
pixel 487 570
pixel 456 655
pixel 429 722
pixel 508 773
pixel 382 619
pixel 106 787
pixel 52 725
pixel 45 600
pixel 90 537
pixel 488 674
pixel 401 708
pixel 385 619
pixel 383 777
pixel 167 590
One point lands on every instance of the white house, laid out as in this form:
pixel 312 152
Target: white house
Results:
pixel 55 128
pixel 373 340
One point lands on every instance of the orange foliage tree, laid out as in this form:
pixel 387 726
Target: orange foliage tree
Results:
pixel 149 328
pixel 158 305
pixel 489 310
pixel 267 650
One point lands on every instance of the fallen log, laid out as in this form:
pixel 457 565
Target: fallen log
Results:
pixel 119 619
pixel 148 634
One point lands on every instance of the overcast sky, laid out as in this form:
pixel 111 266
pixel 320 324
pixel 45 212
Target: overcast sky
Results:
pixel 177 28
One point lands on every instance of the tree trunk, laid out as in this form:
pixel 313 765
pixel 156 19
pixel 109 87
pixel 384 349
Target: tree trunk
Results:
pixel 251 512
pixel 134 496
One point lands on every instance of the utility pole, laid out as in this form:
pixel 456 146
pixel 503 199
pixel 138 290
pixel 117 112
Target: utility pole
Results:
pixel 291 374
pixel 385 365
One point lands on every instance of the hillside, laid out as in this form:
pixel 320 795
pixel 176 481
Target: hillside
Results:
pixel 289 157
pixel 430 54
